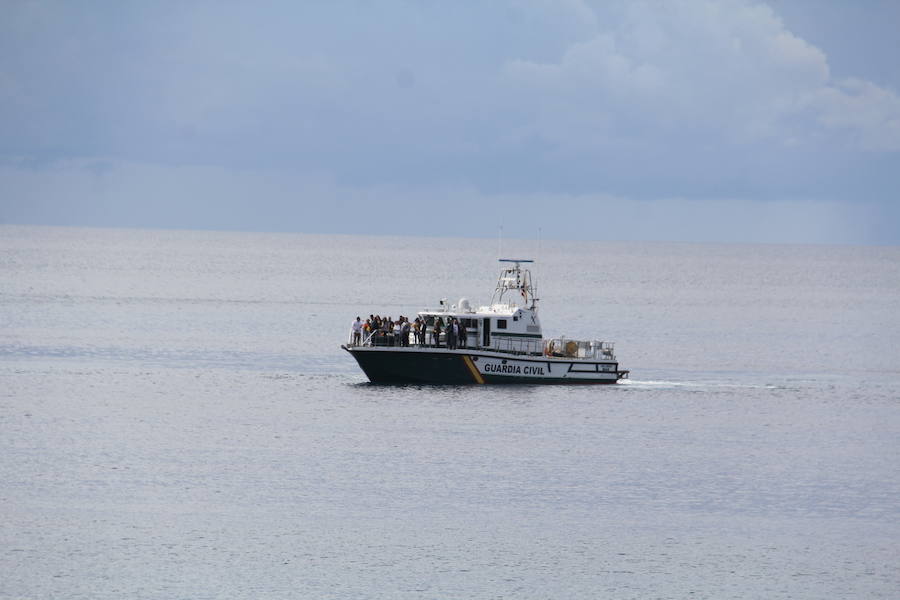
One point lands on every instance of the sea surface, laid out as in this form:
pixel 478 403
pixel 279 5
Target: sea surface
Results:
pixel 177 420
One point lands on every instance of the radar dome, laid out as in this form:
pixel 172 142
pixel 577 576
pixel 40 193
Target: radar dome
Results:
pixel 464 305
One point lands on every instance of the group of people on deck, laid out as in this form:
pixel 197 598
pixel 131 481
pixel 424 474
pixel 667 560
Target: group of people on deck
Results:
pixel 454 332
pixel 384 331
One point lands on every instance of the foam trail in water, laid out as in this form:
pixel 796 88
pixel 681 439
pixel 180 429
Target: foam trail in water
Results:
pixel 695 384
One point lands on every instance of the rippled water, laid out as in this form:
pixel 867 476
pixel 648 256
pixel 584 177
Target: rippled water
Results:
pixel 177 420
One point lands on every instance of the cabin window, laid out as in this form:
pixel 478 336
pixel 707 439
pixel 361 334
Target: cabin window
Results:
pixel 501 323
pixel 515 318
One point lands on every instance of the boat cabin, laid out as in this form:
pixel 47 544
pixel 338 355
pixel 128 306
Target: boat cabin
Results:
pixel 509 323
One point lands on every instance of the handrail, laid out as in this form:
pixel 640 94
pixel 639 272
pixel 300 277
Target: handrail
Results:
pixel 554 347
pixel 563 346
pixel 365 340
pixel 517 345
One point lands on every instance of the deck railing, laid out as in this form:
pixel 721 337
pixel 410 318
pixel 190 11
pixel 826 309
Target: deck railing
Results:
pixel 557 347
pixel 379 338
pixel 567 348
pixel 517 345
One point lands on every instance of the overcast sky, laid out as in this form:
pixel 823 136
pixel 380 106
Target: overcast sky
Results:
pixel 724 120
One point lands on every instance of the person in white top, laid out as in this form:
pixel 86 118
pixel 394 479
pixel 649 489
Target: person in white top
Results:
pixel 396 332
pixel 357 331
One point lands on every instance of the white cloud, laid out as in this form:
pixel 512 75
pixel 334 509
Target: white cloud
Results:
pixel 727 68
pixel 863 111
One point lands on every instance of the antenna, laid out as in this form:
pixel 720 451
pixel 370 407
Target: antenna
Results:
pixel 539 245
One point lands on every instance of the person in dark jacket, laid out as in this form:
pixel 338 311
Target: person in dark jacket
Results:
pixel 452 334
pixel 419 332
pixel 404 331
pixel 436 332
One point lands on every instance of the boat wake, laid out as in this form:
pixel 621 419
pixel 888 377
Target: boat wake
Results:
pixel 697 384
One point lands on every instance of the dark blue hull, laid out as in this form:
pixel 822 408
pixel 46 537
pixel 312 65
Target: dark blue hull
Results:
pixel 459 367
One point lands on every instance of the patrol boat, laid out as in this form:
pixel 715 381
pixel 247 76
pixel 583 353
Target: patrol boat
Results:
pixel 504 344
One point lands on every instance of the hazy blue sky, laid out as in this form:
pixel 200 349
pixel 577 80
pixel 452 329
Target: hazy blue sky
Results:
pixel 665 120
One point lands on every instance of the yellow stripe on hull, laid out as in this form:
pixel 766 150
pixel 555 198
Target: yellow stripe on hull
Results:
pixel 475 374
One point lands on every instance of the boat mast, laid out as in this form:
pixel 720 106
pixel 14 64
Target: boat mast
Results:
pixel 515 279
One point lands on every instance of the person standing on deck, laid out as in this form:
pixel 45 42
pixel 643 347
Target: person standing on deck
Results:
pixel 463 334
pixel 436 332
pixel 452 332
pixel 357 331
pixel 404 331
pixel 376 324
pixel 397 327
